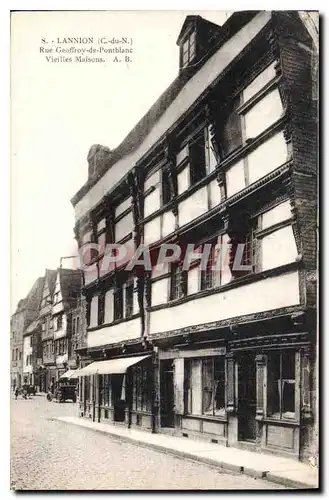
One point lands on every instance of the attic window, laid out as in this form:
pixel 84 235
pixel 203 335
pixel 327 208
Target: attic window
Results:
pixel 188 49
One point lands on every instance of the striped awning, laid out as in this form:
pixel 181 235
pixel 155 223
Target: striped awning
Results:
pixel 110 366
pixel 70 374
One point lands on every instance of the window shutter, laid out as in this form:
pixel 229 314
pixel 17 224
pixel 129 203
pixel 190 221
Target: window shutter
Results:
pixel 179 386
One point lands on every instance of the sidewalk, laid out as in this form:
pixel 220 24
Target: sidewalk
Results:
pixel 279 470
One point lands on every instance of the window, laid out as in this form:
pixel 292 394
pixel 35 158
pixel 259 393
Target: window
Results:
pixel 142 389
pixel 207 277
pixel 78 325
pixel 118 303
pixel 101 308
pixel 106 390
pixel 197 158
pixel 166 194
pixel 231 133
pixel 59 322
pixel 178 283
pixel 188 50
pixel 213 386
pixel 281 376
pixel 20 355
pixel 205 386
pixel 210 151
pixel 129 298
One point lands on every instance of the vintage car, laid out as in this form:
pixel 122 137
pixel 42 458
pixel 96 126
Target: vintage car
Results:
pixel 65 390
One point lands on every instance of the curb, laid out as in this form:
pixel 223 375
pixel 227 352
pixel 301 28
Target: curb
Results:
pixel 222 466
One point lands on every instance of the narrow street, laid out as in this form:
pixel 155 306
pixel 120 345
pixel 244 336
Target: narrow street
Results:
pixel 51 455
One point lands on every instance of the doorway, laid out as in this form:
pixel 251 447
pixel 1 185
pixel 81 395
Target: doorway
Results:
pixel 167 394
pixel 247 425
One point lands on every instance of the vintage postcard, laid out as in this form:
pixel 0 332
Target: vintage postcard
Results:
pixel 164 247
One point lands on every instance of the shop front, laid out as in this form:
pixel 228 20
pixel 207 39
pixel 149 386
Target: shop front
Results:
pixel 253 394
pixel 118 391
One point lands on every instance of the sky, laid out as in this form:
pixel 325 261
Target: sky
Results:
pixel 58 110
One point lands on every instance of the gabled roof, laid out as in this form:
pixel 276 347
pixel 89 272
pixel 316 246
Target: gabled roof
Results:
pixel 51 275
pixel 32 326
pixel 70 284
pixel 147 122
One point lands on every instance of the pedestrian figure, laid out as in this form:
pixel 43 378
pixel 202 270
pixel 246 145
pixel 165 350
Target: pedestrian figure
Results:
pixel 16 392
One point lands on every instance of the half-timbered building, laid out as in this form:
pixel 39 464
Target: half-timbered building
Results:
pixel 227 155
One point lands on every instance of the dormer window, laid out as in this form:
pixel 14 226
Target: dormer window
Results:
pixel 188 49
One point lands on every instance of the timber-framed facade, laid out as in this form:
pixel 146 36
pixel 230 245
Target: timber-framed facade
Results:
pixel 227 155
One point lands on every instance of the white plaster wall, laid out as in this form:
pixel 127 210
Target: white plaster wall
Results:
pixel 160 292
pixel 94 311
pixel 278 248
pixel 90 274
pixel 108 313
pixel 264 295
pixel 183 180
pixel 124 226
pixel 101 225
pixel 193 280
pixel 263 114
pixel 267 157
pixel 152 202
pixel 194 206
pixel 123 206
pixel 168 223
pixel 116 333
pixel 235 178
pixel 259 82
pixel 183 153
pixel 62 359
pixel 187 96
pixel 152 231
pixel 214 193
pixel 27 350
pixel 277 214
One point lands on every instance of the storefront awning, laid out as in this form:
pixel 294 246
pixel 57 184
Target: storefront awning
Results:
pixel 110 366
pixel 69 374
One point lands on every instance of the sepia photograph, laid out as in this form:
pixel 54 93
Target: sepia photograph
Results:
pixel 164 206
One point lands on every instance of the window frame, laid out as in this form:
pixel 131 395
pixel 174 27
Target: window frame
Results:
pixel 189 41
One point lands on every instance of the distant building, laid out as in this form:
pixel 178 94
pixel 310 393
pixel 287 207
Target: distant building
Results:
pixel 227 155
pixel 27 310
pixel 65 322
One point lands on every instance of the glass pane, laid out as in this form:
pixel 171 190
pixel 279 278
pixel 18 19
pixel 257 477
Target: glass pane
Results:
pixel 219 375
pixel 288 365
pixel 196 387
pixel 207 386
pixel 288 398
pixel 273 383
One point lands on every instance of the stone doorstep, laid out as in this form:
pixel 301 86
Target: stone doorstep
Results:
pixel 278 470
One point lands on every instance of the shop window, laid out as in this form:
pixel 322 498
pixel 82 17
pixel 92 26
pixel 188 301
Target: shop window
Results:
pixel 188 50
pixel 282 384
pixel 142 389
pixel 205 386
pixel 178 282
pixel 213 386
pixel 106 390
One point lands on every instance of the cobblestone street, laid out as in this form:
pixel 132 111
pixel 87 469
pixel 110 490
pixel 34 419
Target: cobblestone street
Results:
pixel 51 455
